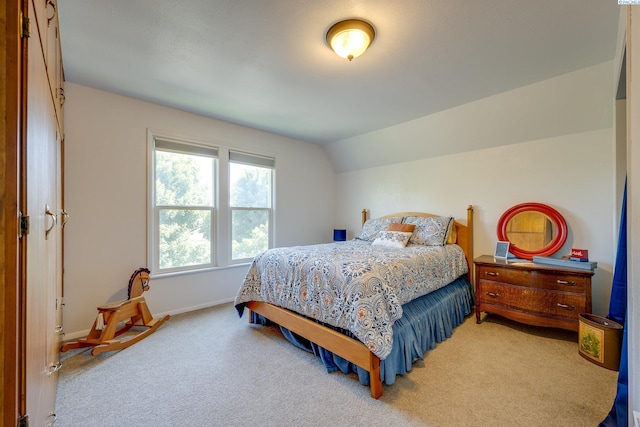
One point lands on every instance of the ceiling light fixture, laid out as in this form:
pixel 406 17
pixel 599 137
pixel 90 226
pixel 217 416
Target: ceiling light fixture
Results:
pixel 350 38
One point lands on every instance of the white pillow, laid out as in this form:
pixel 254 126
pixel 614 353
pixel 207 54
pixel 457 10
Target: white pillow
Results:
pixel 394 239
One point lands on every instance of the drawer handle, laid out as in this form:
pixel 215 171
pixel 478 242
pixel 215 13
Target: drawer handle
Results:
pixel 493 295
pixel 564 282
pixel 491 273
pixel 567 306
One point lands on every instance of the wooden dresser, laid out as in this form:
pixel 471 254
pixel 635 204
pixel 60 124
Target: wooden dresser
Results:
pixel 536 294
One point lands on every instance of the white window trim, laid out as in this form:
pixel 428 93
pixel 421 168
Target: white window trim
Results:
pixel 222 211
pixel 153 212
pixel 252 159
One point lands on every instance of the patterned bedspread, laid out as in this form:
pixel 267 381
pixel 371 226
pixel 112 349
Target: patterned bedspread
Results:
pixel 351 285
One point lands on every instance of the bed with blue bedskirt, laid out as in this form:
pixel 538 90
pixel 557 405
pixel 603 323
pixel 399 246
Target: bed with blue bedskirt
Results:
pixel 373 305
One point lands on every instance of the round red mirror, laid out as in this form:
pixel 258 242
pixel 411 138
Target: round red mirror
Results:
pixel 532 229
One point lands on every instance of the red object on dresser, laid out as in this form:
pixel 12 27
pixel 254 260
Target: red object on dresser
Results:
pixel 579 253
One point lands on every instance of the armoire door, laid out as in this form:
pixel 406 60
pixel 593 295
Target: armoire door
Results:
pixel 41 205
pixel 10 171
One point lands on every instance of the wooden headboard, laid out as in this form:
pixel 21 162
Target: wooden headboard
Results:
pixel 464 233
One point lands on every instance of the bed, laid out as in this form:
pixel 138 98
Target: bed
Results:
pixel 353 302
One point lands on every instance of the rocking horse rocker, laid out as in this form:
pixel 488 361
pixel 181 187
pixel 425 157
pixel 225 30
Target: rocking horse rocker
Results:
pixel 133 311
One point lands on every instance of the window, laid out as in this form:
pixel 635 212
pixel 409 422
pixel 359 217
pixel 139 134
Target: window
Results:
pixel 208 206
pixel 250 201
pixel 184 206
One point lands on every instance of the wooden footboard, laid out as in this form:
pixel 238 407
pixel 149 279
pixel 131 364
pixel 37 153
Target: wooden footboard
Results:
pixel 348 348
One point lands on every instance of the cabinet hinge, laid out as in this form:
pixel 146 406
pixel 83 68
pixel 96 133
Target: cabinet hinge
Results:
pixel 25 26
pixel 23 421
pixel 24 225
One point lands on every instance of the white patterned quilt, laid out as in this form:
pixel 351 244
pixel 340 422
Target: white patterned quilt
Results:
pixel 351 285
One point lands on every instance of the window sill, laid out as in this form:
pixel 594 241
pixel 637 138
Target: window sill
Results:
pixel 198 271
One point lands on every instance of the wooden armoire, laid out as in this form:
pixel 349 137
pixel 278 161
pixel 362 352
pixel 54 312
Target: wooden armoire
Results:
pixel 31 214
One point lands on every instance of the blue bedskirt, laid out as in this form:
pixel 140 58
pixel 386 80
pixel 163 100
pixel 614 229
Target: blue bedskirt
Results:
pixel 425 322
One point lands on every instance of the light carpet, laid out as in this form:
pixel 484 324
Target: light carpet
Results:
pixel 210 368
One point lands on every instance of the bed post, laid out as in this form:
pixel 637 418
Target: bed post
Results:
pixel 375 382
pixel 364 216
pixel 470 244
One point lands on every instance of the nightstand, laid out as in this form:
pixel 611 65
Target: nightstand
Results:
pixel 535 294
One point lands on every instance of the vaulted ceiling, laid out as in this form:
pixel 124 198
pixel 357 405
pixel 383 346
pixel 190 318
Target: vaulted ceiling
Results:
pixel 265 63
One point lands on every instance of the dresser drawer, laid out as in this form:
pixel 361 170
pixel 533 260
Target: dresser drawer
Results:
pixel 535 279
pixel 531 299
pixel 535 294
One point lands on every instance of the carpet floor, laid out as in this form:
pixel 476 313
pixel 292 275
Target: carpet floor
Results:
pixel 210 368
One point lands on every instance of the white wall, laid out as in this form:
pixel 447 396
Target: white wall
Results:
pixel 495 179
pixel 572 173
pixel 106 196
pixel 633 208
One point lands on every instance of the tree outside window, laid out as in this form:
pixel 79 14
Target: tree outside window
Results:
pixel 250 201
pixel 184 206
pixel 186 211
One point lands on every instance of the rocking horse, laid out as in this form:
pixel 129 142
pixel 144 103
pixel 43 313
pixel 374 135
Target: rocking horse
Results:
pixel 133 311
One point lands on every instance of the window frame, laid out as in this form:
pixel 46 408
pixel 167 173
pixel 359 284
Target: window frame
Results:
pixel 257 160
pixel 189 147
pixel 221 216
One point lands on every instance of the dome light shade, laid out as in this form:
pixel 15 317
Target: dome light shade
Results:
pixel 350 38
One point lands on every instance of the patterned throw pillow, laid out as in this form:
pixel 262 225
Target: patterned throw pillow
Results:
pixel 430 231
pixel 372 227
pixel 394 239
